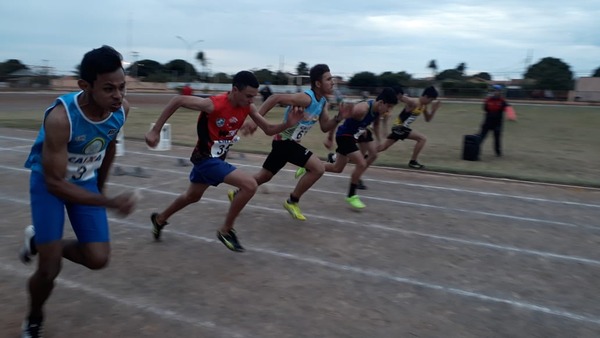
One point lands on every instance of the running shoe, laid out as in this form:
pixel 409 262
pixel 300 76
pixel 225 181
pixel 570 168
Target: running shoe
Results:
pixel 415 165
pixel 231 195
pixel 32 329
pixel 355 202
pixel 331 157
pixel 294 210
pixel 230 240
pixel 156 228
pixel 361 185
pixel 28 250
pixel 299 172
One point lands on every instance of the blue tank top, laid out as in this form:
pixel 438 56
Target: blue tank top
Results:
pixel 352 126
pixel 88 140
pixel 311 116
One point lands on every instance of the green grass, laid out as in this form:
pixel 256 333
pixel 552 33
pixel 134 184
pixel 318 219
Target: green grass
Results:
pixel 548 143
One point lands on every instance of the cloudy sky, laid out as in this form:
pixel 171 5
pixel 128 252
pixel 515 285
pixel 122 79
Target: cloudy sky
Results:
pixel 498 37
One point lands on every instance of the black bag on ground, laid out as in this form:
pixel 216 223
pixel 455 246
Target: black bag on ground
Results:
pixel 471 148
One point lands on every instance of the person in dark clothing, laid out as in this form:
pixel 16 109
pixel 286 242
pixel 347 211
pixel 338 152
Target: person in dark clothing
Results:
pixel 266 92
pixel 494 107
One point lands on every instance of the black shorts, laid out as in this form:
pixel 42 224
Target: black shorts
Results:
pixel 286 151
pixel 399 133
pixel 366 137
pixel 346 144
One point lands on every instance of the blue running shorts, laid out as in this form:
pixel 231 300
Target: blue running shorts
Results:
pixel 211 171
pixel 89 223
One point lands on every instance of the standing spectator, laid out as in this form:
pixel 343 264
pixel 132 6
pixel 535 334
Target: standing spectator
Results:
pixel 494 107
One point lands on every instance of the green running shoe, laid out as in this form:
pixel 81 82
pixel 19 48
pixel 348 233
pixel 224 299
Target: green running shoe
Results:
pixel 355 202
pixel 301 171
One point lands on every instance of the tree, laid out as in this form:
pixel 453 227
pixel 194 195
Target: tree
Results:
pixel 364 80
pixel 433 66
pixel 596 73
pixel 461 67
pixel 10 66
pixel 551 73
pixel 264 75
pixel 221 78
pixel 449 74
pixel 201 58
pixel 302 68
pixel 389 79
pixel 145 68
pixel 182 68
pixel 280 78
pixel 483 76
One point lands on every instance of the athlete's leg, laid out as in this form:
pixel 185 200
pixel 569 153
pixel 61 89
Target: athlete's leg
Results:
pixel 192 195
pixel 263 176
pixel 337 166
pixel 370 149
pixel 420 139
pixel 360 166
pixel 41 282
pixel 314 170
pixel 388 142
pixel 246 188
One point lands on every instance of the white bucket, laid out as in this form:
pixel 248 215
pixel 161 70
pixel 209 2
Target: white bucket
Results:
pixel 120 143
pixel 164 142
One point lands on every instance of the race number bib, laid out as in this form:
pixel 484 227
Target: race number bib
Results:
pixel 220 147
pixel 82 167
pixel 300 131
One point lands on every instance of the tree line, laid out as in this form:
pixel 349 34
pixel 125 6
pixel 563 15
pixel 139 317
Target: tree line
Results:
pixel 548 74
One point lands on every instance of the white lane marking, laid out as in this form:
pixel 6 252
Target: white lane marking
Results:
pixel 421 205
pixel 421 186
pixel 129 301
pixel 386 276
pixel 547 255
pixel 390 277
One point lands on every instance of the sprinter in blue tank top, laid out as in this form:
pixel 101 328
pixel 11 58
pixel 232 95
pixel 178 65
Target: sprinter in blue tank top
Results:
pixel 355 129
pixel 286 145
pixel 69 162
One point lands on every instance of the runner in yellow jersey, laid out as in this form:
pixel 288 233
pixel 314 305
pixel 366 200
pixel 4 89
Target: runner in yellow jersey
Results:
pixel 413 107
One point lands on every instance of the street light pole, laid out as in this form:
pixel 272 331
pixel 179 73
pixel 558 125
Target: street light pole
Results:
pixel 189 46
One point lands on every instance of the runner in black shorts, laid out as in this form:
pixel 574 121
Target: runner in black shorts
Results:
pixel 355 130
pixel 412 109
pixel 286 145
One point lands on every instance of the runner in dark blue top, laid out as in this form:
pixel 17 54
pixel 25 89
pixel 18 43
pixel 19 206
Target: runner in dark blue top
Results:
pixel 355 129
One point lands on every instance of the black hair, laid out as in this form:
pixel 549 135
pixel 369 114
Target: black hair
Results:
pixel 244 79
pixel 430 92
pixel 388 96
pixel 398 89
pixel 99 61
pixel 316 73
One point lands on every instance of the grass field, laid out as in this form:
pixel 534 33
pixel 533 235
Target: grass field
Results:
pixel 547 143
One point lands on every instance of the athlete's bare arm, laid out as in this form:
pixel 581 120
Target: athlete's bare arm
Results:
pixel 294 116
pixel 54 162
pixel 185 101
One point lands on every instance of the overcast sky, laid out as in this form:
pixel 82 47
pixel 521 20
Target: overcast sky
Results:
pixel 498 37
